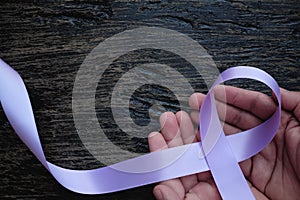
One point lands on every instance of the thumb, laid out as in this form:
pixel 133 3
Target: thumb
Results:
pixel 290 101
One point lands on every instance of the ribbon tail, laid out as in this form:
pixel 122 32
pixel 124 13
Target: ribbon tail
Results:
pixel 146 169
pixel 221 160
pixel 17 107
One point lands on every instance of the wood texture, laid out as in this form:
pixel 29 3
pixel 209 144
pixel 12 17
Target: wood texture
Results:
pixel 46 42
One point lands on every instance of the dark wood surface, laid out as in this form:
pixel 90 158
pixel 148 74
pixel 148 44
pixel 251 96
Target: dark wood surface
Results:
pixel 46 42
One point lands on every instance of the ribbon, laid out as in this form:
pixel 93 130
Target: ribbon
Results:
pixel 216 152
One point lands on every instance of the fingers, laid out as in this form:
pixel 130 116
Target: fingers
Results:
pixel 170 129
pixel 259 104
pixel 207 190
pixel 172 188
pixel 228 129
pixel 188 136
pixel 196 100
pixel 204 190
pixel 171 136
pixel 156 142
pixel 165 190
pixel 291 101
pixel 240 109
pixel 186 126
pixel 237 117
pixel 178 130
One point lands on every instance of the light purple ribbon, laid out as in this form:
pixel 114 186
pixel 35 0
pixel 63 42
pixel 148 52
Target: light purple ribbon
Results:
pixel 220 153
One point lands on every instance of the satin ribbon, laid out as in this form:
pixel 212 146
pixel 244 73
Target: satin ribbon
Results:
pixel 217 152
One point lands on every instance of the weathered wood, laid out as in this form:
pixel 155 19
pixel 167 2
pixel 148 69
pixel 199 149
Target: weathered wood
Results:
pixel 46 42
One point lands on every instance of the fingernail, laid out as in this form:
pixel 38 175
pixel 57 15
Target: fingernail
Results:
pixel 163 119
pixel 152 134
pixel 158 195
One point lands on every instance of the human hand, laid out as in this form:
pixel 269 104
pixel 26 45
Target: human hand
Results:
pixel 274 173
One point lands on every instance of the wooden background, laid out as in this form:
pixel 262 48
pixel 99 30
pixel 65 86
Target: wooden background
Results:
pixel 46 42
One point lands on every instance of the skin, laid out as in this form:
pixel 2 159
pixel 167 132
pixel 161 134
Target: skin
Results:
pixel 274 173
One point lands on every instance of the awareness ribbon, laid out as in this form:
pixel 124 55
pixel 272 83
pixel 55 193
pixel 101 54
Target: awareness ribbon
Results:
pixel 216 152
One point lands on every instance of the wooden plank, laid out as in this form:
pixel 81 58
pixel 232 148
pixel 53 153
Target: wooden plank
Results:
pixel 46 42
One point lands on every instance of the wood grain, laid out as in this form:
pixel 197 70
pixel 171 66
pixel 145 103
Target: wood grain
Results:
pixel 46 42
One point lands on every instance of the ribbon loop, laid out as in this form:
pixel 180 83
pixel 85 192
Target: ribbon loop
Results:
pixel 221 153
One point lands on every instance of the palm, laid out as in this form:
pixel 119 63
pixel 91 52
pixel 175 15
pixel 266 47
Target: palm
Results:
pixel 275 173
pixel 272 174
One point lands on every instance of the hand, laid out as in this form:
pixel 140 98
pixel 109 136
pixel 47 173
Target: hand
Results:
pixel 274 173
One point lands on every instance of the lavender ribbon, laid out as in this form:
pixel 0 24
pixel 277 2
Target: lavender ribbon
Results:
pixel 217 152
